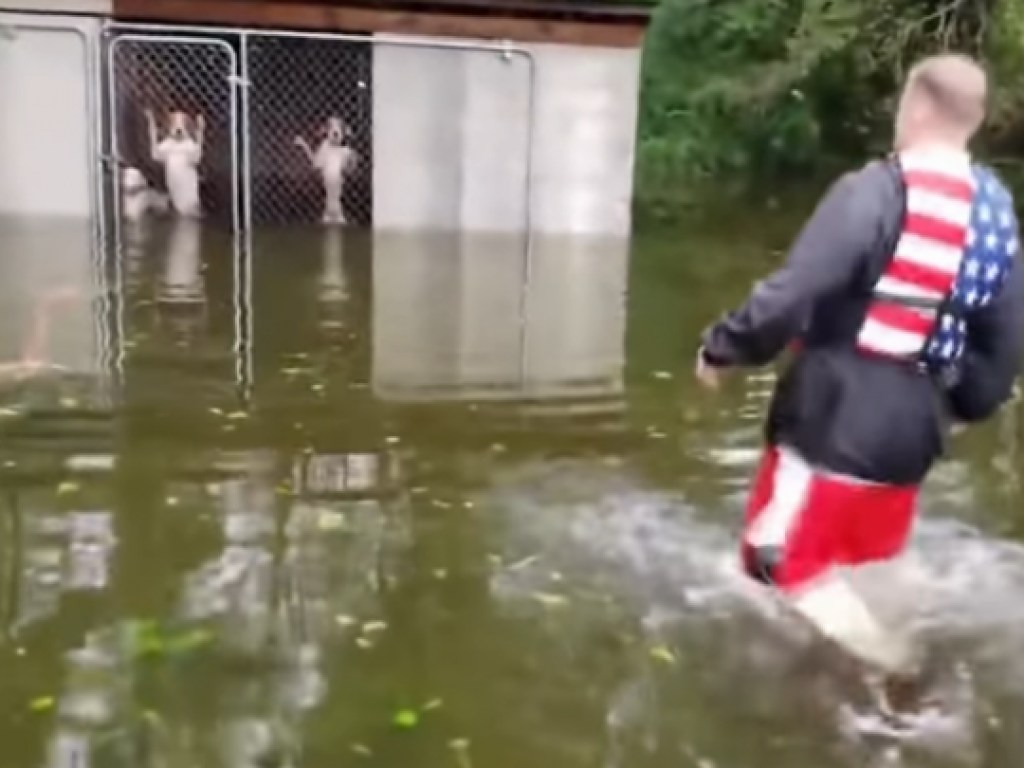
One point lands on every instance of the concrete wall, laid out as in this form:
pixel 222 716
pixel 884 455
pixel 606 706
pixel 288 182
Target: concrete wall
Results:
pixel 454 317
pixel 452 139
pixel 96 7
pixel 45 150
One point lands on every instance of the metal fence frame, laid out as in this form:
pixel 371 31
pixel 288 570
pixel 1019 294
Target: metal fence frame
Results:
pixel 172 38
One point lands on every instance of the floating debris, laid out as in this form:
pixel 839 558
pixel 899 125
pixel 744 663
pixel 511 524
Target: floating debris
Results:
pixel 550 600
pixel 343 620
pixel 216 411
pixel 6 413
pixel 331 521
pixel 236 415
pixel 661 653
pixel 392 439
pixel 440 574
pixel 172 501
pixel 461 749
pixel 433 704
pixel 372 627
pixel 42 704
pixel 364 643
pixel 67 487
pixel 526 561
pixel 406 718
pixel 663 375
pixel 362 750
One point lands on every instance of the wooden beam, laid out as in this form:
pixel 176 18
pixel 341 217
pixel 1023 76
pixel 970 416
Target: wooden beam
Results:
pixel 312 16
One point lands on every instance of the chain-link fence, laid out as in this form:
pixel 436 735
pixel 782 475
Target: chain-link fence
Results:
pixel 341 129
pixel 154 77
pixel 310 130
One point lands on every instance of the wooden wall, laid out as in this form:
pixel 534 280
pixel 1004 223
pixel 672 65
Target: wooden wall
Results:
pixel 573 23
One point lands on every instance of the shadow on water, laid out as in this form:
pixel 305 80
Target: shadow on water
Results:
pixel 383 499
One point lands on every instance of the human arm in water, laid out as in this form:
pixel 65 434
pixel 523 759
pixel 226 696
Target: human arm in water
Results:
pixel 995 351
pixel 827 256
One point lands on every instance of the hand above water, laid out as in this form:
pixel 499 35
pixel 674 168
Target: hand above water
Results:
pixel 708 375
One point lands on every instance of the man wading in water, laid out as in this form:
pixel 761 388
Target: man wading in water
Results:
pixel 905 295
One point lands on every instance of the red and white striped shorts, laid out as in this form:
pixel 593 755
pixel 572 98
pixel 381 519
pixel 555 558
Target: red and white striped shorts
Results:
pixel 801 521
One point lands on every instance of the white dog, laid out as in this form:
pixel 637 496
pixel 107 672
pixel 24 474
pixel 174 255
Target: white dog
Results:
pixel 180 152
pixel 138 198
pixel 334 160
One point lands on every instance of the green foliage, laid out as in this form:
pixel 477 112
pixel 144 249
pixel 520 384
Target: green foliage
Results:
pixel 744 91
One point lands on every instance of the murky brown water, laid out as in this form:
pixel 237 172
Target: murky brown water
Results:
pixel 432 501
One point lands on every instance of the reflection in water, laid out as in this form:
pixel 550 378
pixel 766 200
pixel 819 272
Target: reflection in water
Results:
pixel 463 520
pixel 455 318
pixel 182 279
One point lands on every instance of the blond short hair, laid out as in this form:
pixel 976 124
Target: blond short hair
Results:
pixel 957 88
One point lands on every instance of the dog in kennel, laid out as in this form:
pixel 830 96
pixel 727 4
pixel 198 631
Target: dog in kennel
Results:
pixel 335 161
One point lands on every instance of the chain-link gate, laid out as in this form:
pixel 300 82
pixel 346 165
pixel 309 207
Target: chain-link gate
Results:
pixel 309 129
pixel 176 89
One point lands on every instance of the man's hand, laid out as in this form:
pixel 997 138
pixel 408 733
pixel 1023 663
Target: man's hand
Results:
pixel 709 376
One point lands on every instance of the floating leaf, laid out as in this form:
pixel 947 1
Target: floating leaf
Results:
pixel 549 599
pixel 406 718
pixel 42 704
pixel 189 641
pixel 661 653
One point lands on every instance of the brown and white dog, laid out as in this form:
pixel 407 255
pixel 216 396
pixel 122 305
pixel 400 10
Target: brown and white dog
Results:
pixel 335 160
pixel 180 153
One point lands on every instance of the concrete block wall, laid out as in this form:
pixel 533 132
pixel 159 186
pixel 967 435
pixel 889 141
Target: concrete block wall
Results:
pixel 45 149
pixel 452 139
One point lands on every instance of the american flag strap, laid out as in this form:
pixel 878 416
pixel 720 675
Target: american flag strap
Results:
pixel 922 272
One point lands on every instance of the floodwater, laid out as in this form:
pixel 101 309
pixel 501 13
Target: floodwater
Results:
pixel 435 501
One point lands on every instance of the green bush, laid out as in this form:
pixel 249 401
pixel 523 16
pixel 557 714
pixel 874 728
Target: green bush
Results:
pixel 737 93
